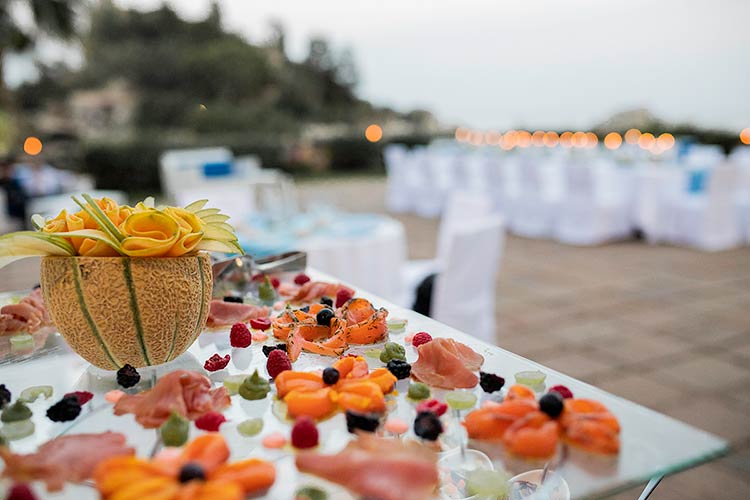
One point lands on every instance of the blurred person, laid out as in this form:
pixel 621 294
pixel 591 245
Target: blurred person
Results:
pixel 15 196
pixel 39 178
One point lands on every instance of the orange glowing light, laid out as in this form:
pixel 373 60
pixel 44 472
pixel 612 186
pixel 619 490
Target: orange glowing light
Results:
pixel 374 133
pixel 537 138
pixel 476 138
pixel 462 134
pixel 550 139
pixel 591 140
pixel 647 140
pixel 632 136
pixel 32 146
pixel 745 136
pixel 613 140
pixel 579 139
pixel 566 139
pixel 492 138
pixel 665 141
pixel 524 139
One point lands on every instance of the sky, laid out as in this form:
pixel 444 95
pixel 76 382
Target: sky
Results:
pixel 525 63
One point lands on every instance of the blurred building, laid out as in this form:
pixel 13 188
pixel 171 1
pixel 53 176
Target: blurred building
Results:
pixel 105 112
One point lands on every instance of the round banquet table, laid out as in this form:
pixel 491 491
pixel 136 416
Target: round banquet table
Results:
pixel 366 250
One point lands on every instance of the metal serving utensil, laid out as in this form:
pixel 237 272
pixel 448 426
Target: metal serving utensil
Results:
pixel 235 276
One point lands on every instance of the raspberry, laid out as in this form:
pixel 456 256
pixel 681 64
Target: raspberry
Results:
pixel 68 408
pixel 491 382
pixel 20 491
pixel 83 396
pixel 261 323
pixel 301 279
pixel 343 296
pixel 210 421
pixel 240 336
pixel 562 390
pixel 434 406
pixel 128 376
pixel 304 433
pixel 277 362
pixel 216 362
pixel 275 282
pixel 420 338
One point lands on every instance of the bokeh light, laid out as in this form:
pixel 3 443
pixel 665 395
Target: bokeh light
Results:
pixel 551 139
pixel 32 146
pixel 492 138
pixel 373 133
pixel 665 141
pixel 591 140
pixel 647 140
pixel 745 136
pixel 462 134
pixel 476 138
pixel 524 139
pixel 537 138
pixel 579 140
pixel 566 139
pixel 632 136
pixel 613 140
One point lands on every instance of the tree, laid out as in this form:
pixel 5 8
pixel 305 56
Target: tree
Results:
pixel 51 17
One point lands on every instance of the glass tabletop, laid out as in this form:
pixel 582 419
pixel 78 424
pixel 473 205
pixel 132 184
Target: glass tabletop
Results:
pixel 652 444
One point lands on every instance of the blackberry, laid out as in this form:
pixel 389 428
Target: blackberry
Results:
pixel 128 376
pixel 236 300
pixel 491 382
pixel 324 317
pixel 192 471
pixel 328 301
pixel 68 408
pixel 305 309
pixel 400 369
pixel 268 348
pixel 551 404
pixel 331 375
pixel 367 422
pixel 5 396
pixel 427 425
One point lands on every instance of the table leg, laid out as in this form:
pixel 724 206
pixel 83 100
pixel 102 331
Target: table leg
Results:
pixel 650 487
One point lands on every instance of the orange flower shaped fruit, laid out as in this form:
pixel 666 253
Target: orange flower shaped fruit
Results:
pixel 199 472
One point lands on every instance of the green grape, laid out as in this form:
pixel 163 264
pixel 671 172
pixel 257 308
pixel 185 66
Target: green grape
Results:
pixel 233 383
pixel 310 493
pixel 175 431
pixel 31 394
pixel 392 350
pixel 23 342
pixel 418 391
pixel 250 427
pixel 17 430
pixel 488 483
pixel 531 378
pixel 461 400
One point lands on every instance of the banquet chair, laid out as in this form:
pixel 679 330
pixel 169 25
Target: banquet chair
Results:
pixel 397 196
pixel 587 217
pixel 709 221
pixel 184 169
pixel 532 207
pixel 461 208
pixel 430 181
pixel 740 157
pixel 464 292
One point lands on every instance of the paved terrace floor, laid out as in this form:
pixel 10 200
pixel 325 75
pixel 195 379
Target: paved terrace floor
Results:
pixel 668 328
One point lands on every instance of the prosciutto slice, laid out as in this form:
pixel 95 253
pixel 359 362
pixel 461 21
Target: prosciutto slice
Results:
pixel 185 392
pixel 374 467
pixel 228 313
pixel 29 315
pixel 447 364
pixel 314 290
pixel 69 458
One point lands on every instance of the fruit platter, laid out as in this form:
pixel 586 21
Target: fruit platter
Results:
pixel 308 388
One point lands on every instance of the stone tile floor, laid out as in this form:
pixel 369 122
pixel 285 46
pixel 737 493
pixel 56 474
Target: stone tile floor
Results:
pixel 666 327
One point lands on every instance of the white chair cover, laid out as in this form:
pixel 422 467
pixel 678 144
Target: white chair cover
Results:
pixel 397 195
pixel 533 207
pixel 464 292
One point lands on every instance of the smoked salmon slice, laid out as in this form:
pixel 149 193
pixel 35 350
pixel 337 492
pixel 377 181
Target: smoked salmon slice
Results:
pixel 447 364
pixel 491 422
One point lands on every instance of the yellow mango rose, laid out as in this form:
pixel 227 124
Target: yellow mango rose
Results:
pixel 150 233
pixel 191 231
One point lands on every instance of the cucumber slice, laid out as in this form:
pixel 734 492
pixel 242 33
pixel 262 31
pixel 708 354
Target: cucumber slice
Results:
pixel 250 427
pixel 461 400
pixel 397 323
pixel 31 394
pixel 532 378
pixel 23 342
pixel 233 383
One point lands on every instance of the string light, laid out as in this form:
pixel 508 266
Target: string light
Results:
pixel 462 134
pixel 550 139
pixel 665 141
pixel 647 140
pixel 537 138
pixel 632 136
pixel 613 140
pixel 524 139
pixel 591 140
pixel 566 140
pixel 579 139
pixel 745 136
